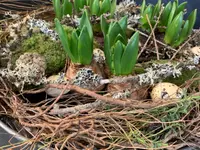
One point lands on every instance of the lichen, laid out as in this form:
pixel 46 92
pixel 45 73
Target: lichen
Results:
pixel 52 51
pixel 122 95
pixel 43 27
pixel 29 70
pixel 129 8
pixel 87 79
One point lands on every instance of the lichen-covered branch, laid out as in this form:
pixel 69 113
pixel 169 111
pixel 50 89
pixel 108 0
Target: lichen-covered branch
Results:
pixel 155 73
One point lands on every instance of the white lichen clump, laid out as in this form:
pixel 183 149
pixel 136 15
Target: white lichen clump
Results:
pixel 87 79
pixel 129 8
pixel 43 26
pixel 122 95
pixel 29 70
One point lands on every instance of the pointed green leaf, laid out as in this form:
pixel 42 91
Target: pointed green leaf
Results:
pixel 78 4
pixel 173 29
pixel 176 3
pixel 120 38
pixel 147 12
pixel 107 49
pixel 172 13
pixel 192 19
pixel 184 34
pixel 113 8
pixel 165 14
pixel 86 22
pixel 129 57
pixel 114 31
pixel 143 6
pixel 118 52
pixel 123 23
pixel 67 7
pixel 64 40
pixel 82 4
pixel 95 7
pixel 104 25
pixel 74 45
pixel 57 9
pixel 105 7
pixel 85 48
pixel 181 7
pixel 157 8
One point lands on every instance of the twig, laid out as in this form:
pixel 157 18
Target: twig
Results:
pixel 93 94
pixel 154 37
pixel 152 32
pixel 161 43
pixel 120 102
pixel 73 110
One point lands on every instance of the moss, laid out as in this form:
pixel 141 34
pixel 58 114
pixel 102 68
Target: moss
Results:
pixel 186 75
pixel 52 51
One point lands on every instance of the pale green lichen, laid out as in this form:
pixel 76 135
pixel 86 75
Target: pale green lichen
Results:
pixel 52 51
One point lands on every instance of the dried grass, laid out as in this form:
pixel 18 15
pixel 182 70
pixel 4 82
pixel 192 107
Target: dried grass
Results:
pixel 171 125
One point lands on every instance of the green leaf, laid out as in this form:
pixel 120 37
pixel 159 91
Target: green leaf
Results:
pixel 143 6
pixel 118 52
pixel 113 8
pixel 180 8
pixel 120 38
pixel 183 35
pixel 74 45
pixel 173 29
pixel 79 4
pixel 86 22
pixel 105 7
pixel 85 47
pixel 57 9
pixel 114 31
pixel 172 13
pixel 129 57
pixel 104 25
pixel 67 7
pixel 165 14
pixel 157 9
pixel 123 23
pixel 192 19
pixel 83 3
pixel 64 40
pixel 147 12
pixel 107 52
pixel 95 7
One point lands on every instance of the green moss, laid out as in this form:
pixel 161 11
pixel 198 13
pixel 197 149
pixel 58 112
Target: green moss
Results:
pixel 52 51
pixel 186 75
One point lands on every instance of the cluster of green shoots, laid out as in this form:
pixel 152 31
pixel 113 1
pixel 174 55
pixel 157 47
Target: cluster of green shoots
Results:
pixel 170 21
pixel 95 7
pixel 78 45
pixel 120 52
